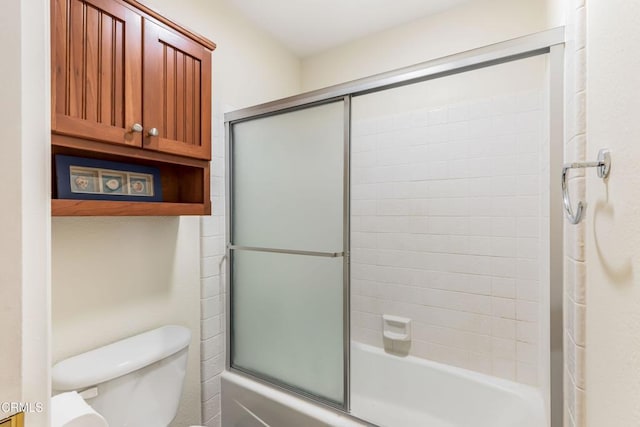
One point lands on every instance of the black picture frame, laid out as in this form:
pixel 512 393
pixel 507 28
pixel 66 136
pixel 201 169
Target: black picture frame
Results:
pixel 93 179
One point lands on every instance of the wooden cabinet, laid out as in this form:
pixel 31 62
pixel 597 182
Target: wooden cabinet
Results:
pixel 97 72
pixel 173 84
pixel 131 86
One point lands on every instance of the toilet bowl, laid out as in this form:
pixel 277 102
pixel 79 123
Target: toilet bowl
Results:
pixel 133 382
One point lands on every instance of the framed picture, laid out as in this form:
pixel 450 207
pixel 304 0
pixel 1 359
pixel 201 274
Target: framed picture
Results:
pixel 92 179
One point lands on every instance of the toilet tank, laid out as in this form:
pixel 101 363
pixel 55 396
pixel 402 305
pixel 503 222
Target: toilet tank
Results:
pixel 138 380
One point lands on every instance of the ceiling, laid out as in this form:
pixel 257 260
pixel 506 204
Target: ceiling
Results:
pixel 307 27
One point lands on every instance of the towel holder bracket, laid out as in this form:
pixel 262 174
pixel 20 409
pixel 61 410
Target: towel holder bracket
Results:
pixel 603 167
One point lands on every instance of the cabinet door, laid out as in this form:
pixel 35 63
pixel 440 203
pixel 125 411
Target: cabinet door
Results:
pixel 177 93
pixel 97 70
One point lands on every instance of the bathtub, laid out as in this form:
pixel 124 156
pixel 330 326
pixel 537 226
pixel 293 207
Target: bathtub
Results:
pixel 408 391
pixel 390 391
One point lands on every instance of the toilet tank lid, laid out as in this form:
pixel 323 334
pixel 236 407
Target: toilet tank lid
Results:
pixel 119 358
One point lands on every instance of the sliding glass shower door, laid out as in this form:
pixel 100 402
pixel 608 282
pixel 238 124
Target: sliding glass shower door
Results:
pixel 287 266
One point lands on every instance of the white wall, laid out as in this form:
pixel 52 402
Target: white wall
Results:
pixel 465 27
pixel 11 216
pixel 114 277
pixel 613 216
pixel 24 222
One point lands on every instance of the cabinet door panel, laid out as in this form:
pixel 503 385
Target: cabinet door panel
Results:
pixel 177 93
pixel 97 70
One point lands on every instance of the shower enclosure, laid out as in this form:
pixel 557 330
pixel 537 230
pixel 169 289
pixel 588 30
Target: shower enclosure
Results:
pixel 394 243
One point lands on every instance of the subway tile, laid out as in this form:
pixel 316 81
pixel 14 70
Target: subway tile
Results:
pixel 528 101
pixel 528 269
pixel 364 159
pixel 580 407
pixel 528 247
pixel 211 327
pixel 528 290
pixel 528 227
pixel 480 226
pixel 503 246
pixel 526 352
pixel 211 286
pixel 528 185
pixel 504 308
pixel 211 409
pixel 212 367
pixel 478 245
pixel 528 142
pixel 580 367
pixel 576 275
pixel 449 355
pixel 457 301
pixel 211 226
pixel 478 344
pixel 210 388
pixel 504 368
pixel 210 307
pixel 529 121
pixel 528 332
pixel 580 35
pixel 527 373
pixel 479 362
pixel 504 267
pixel 437 116
pixel 212 347
pixel 569 356
pixel 364 240
pixel 503 328
pixel 506 207
pixel 504 186
pixel 215 421
pixel 503 287
pixel 527 310
pixel 503 348
pixel 504 227
pixel 212 246
pixel 420 349
pixel 580 324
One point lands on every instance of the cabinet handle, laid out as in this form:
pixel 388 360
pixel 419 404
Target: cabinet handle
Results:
pixel 137 128
pixel 153 132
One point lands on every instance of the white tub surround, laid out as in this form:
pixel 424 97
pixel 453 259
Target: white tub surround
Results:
pixel 413 392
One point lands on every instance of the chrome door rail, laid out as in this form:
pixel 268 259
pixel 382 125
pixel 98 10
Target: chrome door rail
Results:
pixel 287 251
pixel 545 42
pixel 507 51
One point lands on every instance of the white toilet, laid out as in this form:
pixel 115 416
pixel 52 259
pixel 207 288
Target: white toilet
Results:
pixel 133 382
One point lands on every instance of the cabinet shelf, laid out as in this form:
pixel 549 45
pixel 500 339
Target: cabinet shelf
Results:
pixel 131 86
pixel 185 182
pixel 65 207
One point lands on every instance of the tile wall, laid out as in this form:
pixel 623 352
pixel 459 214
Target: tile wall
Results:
pixel 449 225
pixel 213 291
pixel 574 236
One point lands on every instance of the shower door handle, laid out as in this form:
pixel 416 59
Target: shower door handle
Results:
pixel 288 251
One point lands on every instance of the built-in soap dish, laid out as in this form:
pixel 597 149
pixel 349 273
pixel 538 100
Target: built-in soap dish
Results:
pixel 396 328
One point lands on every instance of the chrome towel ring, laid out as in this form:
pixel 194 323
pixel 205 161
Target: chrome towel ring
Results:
pixel 603 166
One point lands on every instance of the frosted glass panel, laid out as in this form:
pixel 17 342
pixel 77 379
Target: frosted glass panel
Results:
pixel 287 320
pixel 288 180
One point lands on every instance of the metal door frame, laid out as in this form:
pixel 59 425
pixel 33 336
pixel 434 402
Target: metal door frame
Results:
pixel 549 42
